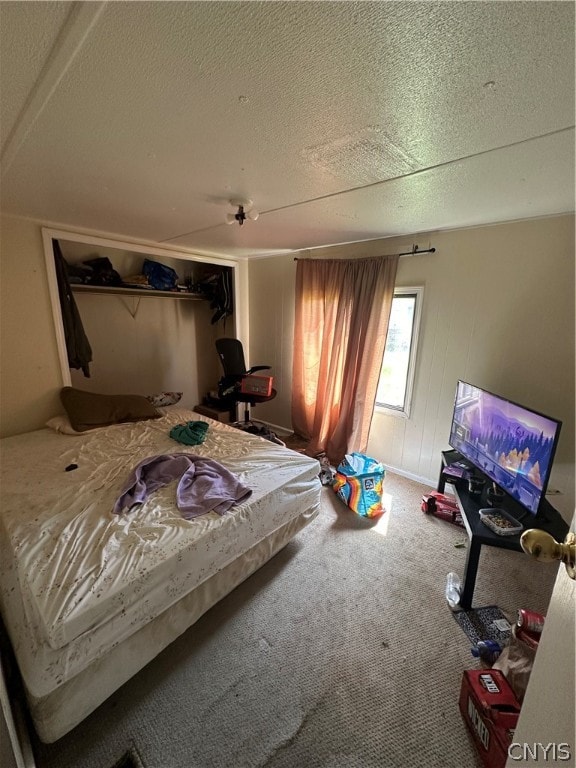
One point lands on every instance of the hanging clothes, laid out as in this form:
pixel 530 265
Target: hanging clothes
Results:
pixel 222 296
pixel 77 345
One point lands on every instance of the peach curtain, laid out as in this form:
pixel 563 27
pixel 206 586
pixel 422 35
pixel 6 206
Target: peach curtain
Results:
pixel 342 313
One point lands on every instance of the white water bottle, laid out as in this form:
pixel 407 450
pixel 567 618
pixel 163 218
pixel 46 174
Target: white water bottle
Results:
pixel 453 590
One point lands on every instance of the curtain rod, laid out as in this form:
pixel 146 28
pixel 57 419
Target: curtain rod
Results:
pixel 415 251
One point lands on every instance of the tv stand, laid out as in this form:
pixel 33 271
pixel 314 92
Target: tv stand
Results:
pixel 548 519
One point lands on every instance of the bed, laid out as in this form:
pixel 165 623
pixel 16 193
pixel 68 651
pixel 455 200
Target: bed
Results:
pixel 89 597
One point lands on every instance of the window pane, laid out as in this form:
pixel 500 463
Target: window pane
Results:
pixel 394 374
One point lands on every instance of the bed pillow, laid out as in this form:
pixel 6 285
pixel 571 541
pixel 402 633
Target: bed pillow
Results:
pixel 164 398
pixel 61 424
pixel 87 410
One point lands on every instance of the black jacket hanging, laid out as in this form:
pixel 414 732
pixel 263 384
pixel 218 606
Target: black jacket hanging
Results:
pixel 77 345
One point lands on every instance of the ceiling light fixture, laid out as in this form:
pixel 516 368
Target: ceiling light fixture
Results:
pixel 245 211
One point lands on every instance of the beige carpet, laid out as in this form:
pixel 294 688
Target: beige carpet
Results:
pixel 339 653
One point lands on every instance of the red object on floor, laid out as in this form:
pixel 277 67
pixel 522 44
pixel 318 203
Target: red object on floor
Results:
pixel 444 507
pixel 490 709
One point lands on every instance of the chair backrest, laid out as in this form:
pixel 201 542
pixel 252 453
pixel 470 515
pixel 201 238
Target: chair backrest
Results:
pixel 231 356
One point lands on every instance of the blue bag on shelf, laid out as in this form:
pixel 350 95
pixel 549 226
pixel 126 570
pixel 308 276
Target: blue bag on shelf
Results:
pixel 160 277
pixel 359 483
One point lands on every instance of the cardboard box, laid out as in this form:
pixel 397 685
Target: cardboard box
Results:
pixel 443 507
pixel 218 414
pixel 490 709
pixel 257 385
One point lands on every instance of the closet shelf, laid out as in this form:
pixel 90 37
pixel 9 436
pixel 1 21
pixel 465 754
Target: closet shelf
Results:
pixel 124 291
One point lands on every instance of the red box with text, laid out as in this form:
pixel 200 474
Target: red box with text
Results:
pixel 257 385
pixel 490 709
pixel 444 507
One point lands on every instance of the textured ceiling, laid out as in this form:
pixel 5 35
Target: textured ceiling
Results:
pixel 342 121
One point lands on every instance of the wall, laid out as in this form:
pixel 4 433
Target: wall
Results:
pixel 29 366
pixel 498 311
pixel 271 303
pixel 149 345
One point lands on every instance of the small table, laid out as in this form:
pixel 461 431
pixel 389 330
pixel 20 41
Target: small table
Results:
pixel 548 519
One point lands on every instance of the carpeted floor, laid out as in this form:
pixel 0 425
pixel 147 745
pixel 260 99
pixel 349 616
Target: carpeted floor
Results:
pixel 295 442
pixel 341 652
pixel 130 759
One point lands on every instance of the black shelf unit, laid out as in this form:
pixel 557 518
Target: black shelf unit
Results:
pixel 548 519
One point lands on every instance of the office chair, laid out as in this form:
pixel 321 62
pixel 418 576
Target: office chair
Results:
pixel 231 356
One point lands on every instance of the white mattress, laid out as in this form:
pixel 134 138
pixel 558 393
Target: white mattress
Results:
pixel 76 579
pixel 59 711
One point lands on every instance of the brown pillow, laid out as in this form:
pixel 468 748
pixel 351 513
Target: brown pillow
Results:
pixel 87 410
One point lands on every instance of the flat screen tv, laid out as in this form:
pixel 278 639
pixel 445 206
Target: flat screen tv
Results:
pixel 512 445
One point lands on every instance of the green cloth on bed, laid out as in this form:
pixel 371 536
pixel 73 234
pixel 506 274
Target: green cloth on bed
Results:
pixel 191 433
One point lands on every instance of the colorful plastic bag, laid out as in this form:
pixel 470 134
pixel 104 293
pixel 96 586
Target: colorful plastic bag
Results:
pixel 160 277
pixel 359 482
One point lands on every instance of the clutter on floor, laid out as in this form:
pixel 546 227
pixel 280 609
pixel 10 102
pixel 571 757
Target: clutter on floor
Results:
pixel 443 507
pixel 327 474
pixel 487 650
pixel 453 590
pixel 261 431
pixel 359 482
pixel 491 699
pixel 490 710
pixel 517 658
pixel 487 623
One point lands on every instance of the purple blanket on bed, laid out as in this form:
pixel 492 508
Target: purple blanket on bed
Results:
pixel 204 485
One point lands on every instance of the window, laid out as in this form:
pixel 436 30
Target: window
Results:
pixel 397 375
